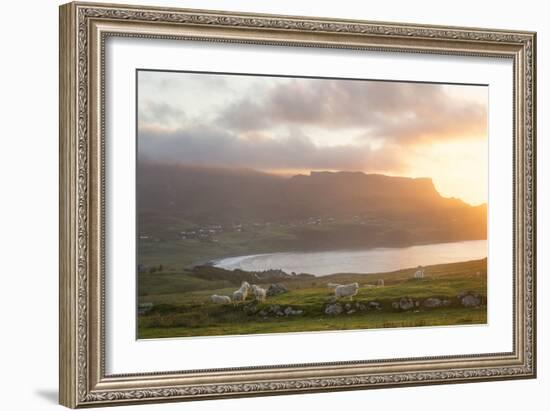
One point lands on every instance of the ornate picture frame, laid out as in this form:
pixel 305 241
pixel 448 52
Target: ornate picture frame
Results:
pixel 84 29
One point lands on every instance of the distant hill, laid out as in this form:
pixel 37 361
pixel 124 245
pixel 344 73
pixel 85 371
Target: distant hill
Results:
pixel 386 210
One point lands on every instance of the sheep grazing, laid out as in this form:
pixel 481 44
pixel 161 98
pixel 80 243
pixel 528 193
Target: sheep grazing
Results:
pixel 220 299
pixel 347 290
pixel 241 293
pixel 259 292
pixel 419 273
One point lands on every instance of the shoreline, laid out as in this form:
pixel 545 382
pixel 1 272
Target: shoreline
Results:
pixel 378 259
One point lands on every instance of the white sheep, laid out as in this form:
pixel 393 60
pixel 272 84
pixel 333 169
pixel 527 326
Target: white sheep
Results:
pixel 220 299
pixel 259 292
pixel 241 293
pixel 347 290
pixel 419 273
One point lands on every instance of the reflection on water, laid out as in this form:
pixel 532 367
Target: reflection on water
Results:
pixel 373 260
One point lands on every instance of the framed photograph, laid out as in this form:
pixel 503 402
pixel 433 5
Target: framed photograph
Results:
pixel 260 204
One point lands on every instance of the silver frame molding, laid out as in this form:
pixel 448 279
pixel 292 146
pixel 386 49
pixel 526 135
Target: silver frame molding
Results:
pixel 84 27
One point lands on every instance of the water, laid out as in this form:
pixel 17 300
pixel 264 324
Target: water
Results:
pixel 372 260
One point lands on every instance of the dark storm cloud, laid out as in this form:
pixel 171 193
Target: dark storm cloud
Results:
pixel 203 145
pixel 404 112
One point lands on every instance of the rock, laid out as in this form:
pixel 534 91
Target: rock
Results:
pixel 280 313
pixel 417 303
pixel 291 311
pixel 334 309
pixel 374 305
pixel 273 309
pixel 348 307
pixel 276 289
pixel 252 309
pixel 262 313
pixel 406 303
pixel 471 300
pixel 445 303
pixel 351 311
pixel 395 305
pixel 361 306
pixel 432 303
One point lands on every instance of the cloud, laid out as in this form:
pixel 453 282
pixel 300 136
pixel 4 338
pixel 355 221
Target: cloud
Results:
pixel 403 112
pixel 151 112
pixel 204 145
pixel 274 123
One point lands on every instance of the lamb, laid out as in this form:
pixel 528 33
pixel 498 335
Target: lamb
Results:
pixel 259 292
pixel 220 299
pixel 241 293
pixel 347 290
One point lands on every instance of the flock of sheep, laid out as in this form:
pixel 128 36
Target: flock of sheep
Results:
pixel 340 290
pixel 241 294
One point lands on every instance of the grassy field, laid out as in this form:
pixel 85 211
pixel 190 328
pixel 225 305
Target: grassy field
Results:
pixel 181 305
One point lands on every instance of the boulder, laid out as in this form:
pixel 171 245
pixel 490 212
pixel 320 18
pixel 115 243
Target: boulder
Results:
pixel 288 311
pixel 374 305
pixel 334 309
pixel 361 306
pixel 471 300
pixel 291 311
pixel 252 309
pixel 432 303
pixel 273 309
pixel 276 289
pixel 406 303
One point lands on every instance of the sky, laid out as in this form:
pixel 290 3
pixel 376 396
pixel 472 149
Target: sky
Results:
pixel 295 125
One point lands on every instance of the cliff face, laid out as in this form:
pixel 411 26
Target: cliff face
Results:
pixel 392 208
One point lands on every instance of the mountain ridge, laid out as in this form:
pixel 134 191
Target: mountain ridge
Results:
pixel 319 211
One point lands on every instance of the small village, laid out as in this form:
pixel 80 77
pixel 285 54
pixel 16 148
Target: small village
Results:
pixel 210 232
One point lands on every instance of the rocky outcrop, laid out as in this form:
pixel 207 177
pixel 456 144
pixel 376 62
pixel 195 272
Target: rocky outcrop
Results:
pixel 276 289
